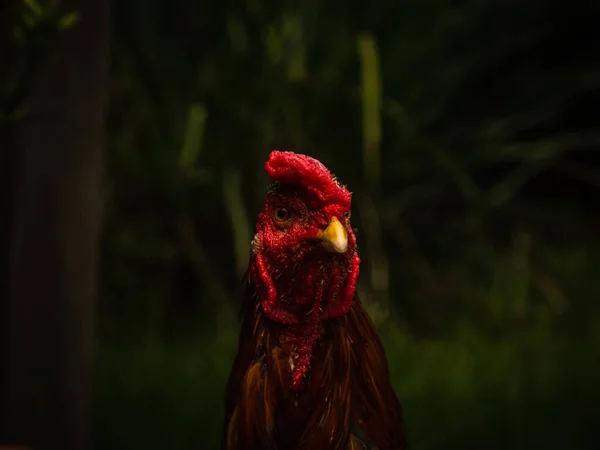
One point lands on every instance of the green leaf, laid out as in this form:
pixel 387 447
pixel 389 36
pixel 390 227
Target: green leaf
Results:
pixel 274 45
pixel 240 223
pixel 295 54
pixel 371 107
pixel 34 7
pixel 238 35
pixel 68 20
pixel 29 20
pixel 194 132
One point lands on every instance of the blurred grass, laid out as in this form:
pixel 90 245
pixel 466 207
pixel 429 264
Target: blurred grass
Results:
pixel 527 390
pixel 151 394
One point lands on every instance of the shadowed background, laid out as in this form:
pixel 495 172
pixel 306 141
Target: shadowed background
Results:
pixel 468 133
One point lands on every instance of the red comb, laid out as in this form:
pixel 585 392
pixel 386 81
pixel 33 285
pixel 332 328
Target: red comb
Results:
pixel 294 168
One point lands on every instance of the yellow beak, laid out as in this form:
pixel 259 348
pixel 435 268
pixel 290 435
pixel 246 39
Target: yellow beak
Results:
pixel 334 238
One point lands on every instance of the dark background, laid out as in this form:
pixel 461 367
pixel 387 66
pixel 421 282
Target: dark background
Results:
pixel 468 132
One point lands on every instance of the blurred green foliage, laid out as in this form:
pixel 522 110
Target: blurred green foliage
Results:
pixel 446 120
pixel 529 390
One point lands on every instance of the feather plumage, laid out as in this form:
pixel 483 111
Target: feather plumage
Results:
pixel 347 401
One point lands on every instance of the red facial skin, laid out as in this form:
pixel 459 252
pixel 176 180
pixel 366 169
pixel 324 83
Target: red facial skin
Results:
pixel 300 283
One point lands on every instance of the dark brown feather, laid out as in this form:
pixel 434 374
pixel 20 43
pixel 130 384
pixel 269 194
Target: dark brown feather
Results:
pixel 347 388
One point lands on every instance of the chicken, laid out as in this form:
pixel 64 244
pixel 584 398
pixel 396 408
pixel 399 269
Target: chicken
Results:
pixel 310 372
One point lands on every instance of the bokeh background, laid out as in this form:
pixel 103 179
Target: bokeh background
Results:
pixel 467 130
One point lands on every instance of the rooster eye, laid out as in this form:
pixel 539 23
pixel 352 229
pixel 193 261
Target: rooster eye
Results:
pixel 347 214
pixel 281 214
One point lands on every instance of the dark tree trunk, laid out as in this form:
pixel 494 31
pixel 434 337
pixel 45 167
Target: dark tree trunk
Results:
pixel 55 230
pixel 6 188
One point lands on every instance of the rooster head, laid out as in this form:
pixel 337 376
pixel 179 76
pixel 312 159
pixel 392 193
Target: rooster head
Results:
pixel 304 259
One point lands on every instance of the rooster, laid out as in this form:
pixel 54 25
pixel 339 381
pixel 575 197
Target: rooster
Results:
pixel 310 372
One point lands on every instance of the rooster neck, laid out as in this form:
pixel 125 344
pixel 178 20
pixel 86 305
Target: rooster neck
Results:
pixel 294 303
pixel 306 288
pixel 302 338
pixel 345 401
pixel 310 285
